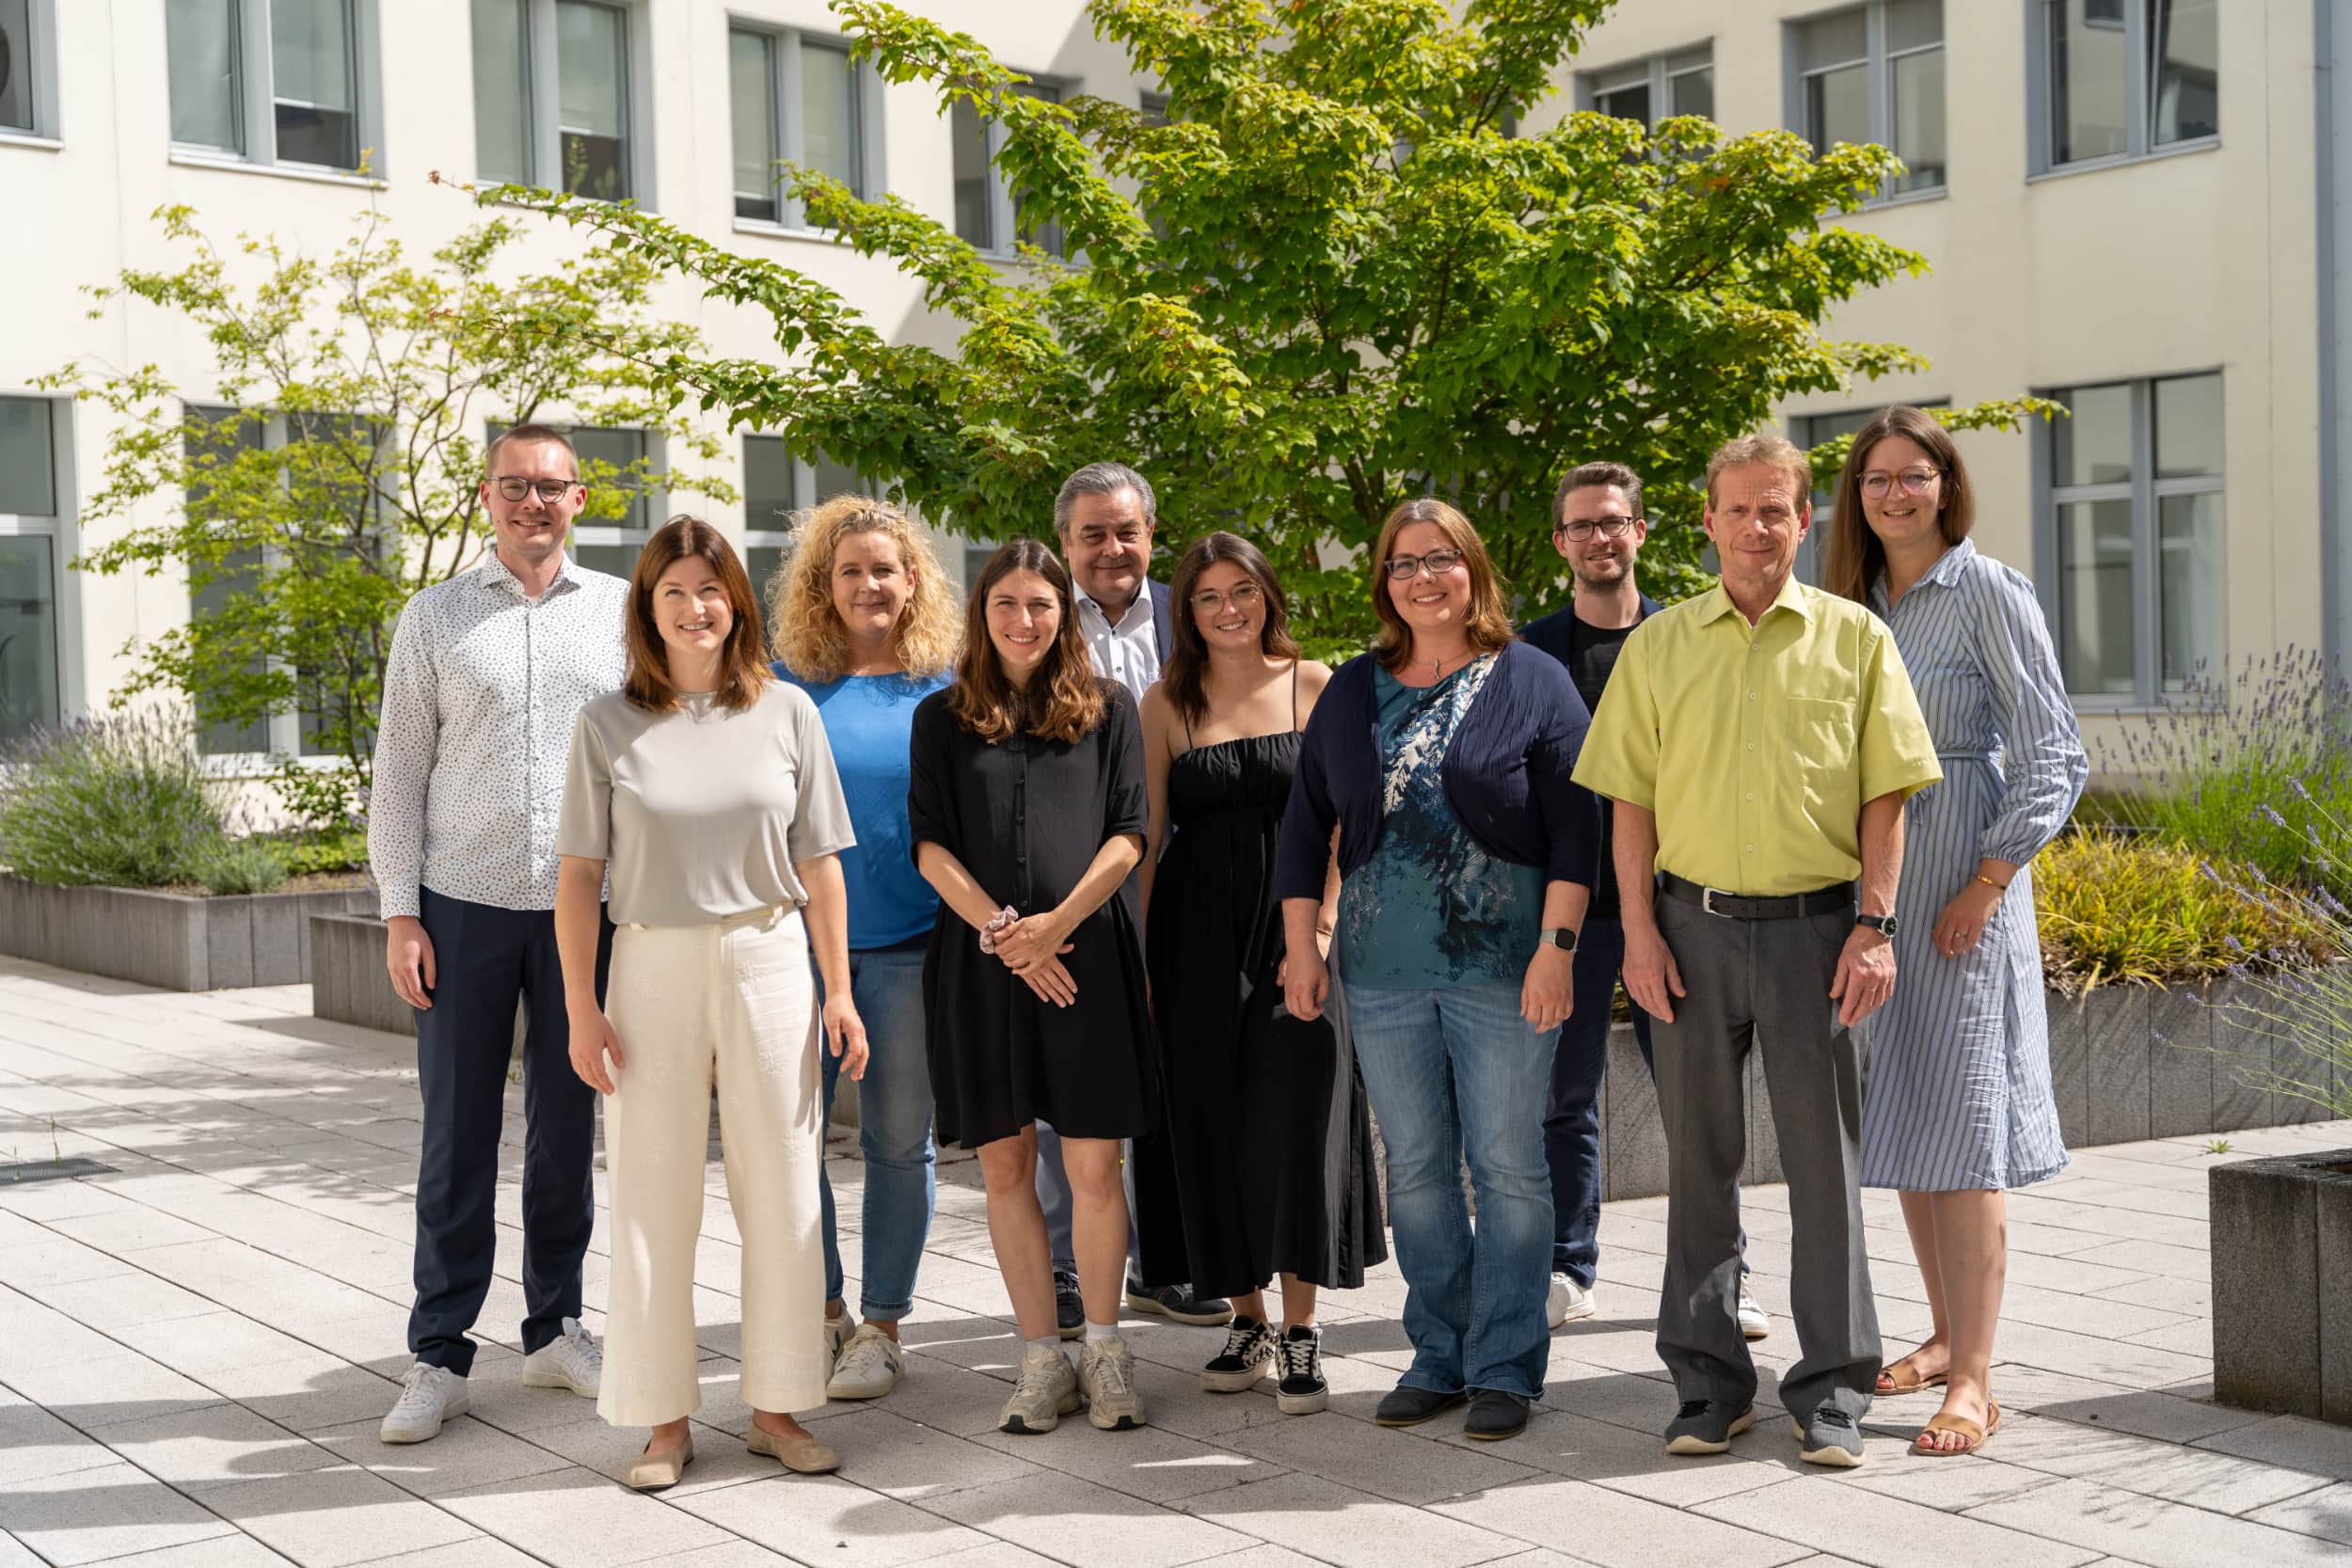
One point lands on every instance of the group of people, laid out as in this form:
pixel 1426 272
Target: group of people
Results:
pixel 1103 880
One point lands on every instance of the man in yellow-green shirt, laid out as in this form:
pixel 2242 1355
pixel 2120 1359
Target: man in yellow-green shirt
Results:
pixel 1759 742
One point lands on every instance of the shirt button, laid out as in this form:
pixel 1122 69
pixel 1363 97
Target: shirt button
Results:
pixel 1751 794
pixel 1751 745
pixel 1751 696
pixel 1751 848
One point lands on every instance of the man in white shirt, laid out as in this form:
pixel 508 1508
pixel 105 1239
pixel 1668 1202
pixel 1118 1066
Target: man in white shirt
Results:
pixel 1105 514
pixel 487 673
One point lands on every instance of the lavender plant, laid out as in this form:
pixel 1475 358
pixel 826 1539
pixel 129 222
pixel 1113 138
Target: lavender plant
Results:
pixel 122 801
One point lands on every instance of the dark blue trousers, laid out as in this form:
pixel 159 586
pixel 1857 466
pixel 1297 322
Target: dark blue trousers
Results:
pixel 486 960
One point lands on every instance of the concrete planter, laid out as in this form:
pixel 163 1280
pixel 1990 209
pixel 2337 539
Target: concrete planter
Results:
pixel 2282 1285
pixel 348 984
pixel 173 941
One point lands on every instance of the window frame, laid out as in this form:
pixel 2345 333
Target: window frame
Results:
pixel 1003 240
pixel 1879 71
pixel 59 527
pixel 253 89
pixel 1657 72
pixel 40 66
pixel 2146 493
pixel 2139 101
pixel 787 121
pixel 543 112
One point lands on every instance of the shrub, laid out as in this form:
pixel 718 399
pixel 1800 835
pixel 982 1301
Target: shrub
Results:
pixel 248 864
pixel 2141 910
pixel 341 848
pixel 120 801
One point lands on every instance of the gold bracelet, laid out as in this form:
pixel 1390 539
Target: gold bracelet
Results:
pixel 1991 884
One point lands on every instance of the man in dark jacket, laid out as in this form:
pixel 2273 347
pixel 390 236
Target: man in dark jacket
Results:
pixel 1598 528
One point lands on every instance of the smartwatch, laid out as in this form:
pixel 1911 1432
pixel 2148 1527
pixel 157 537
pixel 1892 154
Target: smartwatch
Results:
pixel 1883 923
pixel 1557 936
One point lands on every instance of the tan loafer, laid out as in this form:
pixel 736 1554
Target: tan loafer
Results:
pixel 802 1455
pixel 658 1472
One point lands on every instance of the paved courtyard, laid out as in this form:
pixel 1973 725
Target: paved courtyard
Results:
pixel 194 1352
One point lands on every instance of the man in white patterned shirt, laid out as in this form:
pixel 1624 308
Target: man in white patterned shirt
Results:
pixel 488 671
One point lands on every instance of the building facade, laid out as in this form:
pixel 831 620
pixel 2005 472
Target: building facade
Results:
pixel 2131 205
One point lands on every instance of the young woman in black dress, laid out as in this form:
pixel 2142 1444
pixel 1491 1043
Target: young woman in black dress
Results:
pixel 1028 806
pixel 1266 1121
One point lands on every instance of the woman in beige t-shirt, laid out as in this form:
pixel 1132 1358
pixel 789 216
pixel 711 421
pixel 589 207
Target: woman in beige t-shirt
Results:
pixel 704 788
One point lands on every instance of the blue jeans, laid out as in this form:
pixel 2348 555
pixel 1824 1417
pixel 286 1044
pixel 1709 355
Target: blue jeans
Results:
pixel 894 1130
pixel 1451 1072
pixel 1572 1110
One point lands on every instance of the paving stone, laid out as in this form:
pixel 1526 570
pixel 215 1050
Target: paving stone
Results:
pixel 1955 1488
pixel 1336 1523
pixel 1371 1459
pixel 106 1511
pixel 2150 1531
pixel 218 1445
pixel 574 1518
pixel 34 1444
pixel 1889 1531
pixel 2315 1446
pixel 95 1394
pixel 1625 1460
pixel 1155 1465
pixel 332 1518
pixel 220 1551
pixel 1613 1530
pixel 466 1454
pixel 57 1262
pixel 746 1554
pixel 2219 1482
pixel 827 1519
pixel 2326 1514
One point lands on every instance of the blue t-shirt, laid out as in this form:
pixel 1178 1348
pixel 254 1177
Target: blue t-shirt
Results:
pixel 868 722
pixel 1432 908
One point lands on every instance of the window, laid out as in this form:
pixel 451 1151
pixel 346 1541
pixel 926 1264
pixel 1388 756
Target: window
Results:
pixel 26 71
pixel 1875 73
pixel 1809 431
pixel 797 99
pixel 30 552
pixel 777 483
pixel 552 96
pixel 2135 542
pixel 1654 90
pixel 611 460
pixel 988 211
pixel 2124 78
pixel 269 81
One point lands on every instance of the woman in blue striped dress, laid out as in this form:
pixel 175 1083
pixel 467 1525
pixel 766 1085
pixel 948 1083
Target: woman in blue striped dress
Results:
pixel 1958 1106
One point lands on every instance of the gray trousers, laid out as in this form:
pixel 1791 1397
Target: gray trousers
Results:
pixel 1762 983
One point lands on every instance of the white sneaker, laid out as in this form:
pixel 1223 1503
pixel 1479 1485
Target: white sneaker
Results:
pixel 570 1360
pixel 1568 1302
pixel 869 1367
pixel 1755 1323
pixel 429 1395
pixel 837 1332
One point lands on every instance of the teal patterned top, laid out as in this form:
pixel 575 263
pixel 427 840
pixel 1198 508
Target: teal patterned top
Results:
pixel 1431 908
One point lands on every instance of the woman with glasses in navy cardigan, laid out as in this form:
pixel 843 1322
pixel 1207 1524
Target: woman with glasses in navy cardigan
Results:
pixel 1466 856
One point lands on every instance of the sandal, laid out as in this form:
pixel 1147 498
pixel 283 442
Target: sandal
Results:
pixel 1966 1427
pixel 1902 1378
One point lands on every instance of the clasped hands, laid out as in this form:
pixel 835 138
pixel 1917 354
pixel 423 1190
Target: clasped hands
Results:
pixel 1031 946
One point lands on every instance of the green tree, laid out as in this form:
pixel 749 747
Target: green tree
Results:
pixel 1332 279
pixel 329 468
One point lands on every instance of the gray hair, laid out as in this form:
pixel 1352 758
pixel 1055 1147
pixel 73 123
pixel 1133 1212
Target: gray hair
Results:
pixel 1102 479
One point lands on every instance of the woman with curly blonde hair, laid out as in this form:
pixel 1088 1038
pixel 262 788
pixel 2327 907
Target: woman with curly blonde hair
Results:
pixel 866 624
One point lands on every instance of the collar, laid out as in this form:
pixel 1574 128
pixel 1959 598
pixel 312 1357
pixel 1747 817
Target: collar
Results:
pixel 1945 573
pixel 1139 613
pixel 1716 602
pixel 497 574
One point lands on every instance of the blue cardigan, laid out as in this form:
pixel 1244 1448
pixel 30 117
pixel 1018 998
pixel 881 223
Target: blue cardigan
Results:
pixel 1506 775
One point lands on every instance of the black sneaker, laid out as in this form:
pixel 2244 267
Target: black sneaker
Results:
pixel 1177 1302
pixel 1494 1415
pixel 1706 1426
pixel 1406 1406
pixel 1249 1352
pixel 1070 1313
pixel 1302 1391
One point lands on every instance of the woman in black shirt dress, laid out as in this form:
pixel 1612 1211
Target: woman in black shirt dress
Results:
pixel 1028 807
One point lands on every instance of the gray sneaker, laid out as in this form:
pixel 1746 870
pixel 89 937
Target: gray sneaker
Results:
pixel 429 1396
pixel 1107 1374
pixel 1705 1426
pixel 1829 1437
pixel 1045 1391
pixel 571 1360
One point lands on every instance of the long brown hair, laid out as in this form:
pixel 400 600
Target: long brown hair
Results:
pixel 743 674
pixel 1063 700
pixel 809 635
pixel 1488 623
pixel 1187 667
pixel 1855 556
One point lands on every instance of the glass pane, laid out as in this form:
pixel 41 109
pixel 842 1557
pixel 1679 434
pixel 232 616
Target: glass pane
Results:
pixel 2190 582
pixel 618 559
pixel 29 484
pixel 1694 92
pixel 828 140
pixel 591 101
pixel 610 459
pixel 1843 39
pixel 2095 446
pixel 1152 108
pixel 28 636
pixel 1625 103
pixel 763 561
pixel 200 37
pixel 1914 25
pixel 1919 117
pixel 751 68
pixel 2189 426
pixel 16 64
pixel 1838 107
pixel 2184 70
pixel 835 479
pixel 969 135
pixel 2095 596
pixel 2088 91
pixel 207 607
pixel 502 90
pixel 310 43
pixel 769 498
pixel 1044 235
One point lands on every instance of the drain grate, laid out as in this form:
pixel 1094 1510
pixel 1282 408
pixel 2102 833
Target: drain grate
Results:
pixel 49 1170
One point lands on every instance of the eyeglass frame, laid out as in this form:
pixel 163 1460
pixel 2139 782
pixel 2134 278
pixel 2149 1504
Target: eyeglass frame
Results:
pixel 1936 473
pixel 1608 528
pixel 500 482
pixel 1415 565
pixel 1214 601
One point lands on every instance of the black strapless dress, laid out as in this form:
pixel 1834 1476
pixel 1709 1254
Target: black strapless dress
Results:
pixel 1266 1132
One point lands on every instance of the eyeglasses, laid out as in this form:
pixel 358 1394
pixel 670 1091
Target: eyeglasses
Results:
pixel 1245 596
pixel 1439 562
pixel 1915 481
pixel 514 489
pixel 1608 528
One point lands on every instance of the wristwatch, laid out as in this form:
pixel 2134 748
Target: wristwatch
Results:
pixel 1557 936
pixel 1883 923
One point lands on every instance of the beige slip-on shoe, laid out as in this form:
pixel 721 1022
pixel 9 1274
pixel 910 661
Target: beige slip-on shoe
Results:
pixel 658 1472
pixel 803 1456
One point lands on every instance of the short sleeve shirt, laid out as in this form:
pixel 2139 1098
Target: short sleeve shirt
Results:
pixel 700 812
pixel 1756 746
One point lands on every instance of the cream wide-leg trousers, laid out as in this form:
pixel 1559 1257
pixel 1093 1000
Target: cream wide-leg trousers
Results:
pixel 692 1003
